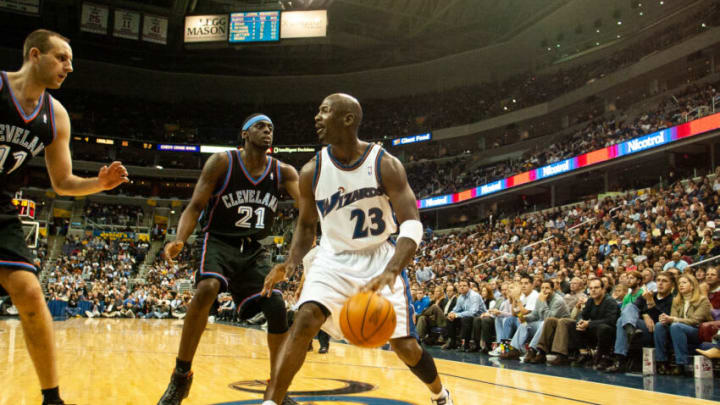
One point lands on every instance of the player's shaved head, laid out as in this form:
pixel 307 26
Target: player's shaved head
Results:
pixel 346 104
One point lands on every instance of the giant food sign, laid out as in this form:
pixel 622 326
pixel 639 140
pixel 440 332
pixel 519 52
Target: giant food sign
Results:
pixel 206 28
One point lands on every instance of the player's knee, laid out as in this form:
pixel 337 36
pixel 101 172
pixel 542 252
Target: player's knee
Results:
pixel 207 291
pixel 274 310
pixel 308 320
pixel 27 294
pixel 408 349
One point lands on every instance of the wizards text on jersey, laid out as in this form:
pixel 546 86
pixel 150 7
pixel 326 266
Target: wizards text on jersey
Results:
pixel 340 199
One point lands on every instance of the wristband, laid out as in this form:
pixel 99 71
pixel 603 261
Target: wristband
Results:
pixel 411 229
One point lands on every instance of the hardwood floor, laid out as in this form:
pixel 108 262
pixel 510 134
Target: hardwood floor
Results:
pixel 127 361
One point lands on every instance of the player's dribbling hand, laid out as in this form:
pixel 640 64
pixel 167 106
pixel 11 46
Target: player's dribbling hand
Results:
pixel 112 176
pixel 172 249
pixel 276 275
pixel 378 282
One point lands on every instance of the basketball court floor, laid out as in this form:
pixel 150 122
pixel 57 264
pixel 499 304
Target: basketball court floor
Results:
pixel 128 362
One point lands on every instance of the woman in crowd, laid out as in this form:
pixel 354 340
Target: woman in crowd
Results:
pixel 689 309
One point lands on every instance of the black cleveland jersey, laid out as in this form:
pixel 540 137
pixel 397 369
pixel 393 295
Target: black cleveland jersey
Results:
pixel 21 138
pixel 243 206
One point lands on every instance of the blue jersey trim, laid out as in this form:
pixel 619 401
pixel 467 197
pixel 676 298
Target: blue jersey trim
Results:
pixel 351 166
pixel 19 109
pixel 378 161
pixel 262 176
pixel 318 167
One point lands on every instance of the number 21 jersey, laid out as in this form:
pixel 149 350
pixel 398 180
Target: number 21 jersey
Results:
pixel 354 211
pixel 244 206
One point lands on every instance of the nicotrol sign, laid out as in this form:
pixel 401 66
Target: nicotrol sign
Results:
pixel 206 28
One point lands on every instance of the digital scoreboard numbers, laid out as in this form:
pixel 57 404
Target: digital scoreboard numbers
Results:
pixel 254 26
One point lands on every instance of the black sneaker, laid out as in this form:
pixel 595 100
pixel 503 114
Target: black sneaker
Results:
pixel 178 389
pixel 289 401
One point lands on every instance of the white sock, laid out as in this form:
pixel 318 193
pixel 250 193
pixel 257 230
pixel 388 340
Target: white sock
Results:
pixel 268 402
pixel 443 393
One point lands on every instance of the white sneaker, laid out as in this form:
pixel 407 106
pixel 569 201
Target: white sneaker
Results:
pixel 443 400
pixel 496 352
pixel 12 310
pixel 211 319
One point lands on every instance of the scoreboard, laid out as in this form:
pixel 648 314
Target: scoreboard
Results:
pixel 254 26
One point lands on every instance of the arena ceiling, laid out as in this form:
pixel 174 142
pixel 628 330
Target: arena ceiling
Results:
pixel 362 34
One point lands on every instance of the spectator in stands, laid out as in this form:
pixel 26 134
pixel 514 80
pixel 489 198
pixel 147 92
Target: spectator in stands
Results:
pixel 424 274
pixel 227 309
pixel 596 327
pixel 649 279
pixel 711 288
pixel 420 301
pixel 522 307
pixel 484 325
pixel 641 317
pixel 676 263
pixel 128 311
pixel 549 304
pixel 72 309
pixel 634 284
pixel 469 305
pixel 689 309
pixel 432 316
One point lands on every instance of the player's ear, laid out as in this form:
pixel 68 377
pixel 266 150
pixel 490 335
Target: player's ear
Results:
pixel 349 119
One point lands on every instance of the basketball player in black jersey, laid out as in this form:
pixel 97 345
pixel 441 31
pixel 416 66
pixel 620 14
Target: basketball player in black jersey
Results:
pixel 237 195
pixel 32 121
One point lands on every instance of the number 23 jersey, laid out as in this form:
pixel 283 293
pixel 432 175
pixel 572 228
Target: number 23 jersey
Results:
pixel 243 206
pixel 354 211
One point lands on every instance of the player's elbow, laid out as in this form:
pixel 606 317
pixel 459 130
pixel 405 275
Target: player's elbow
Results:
pixel 60 189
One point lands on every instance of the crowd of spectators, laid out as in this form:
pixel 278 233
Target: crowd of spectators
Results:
pixel 432 178
pixel 579 284
pixel 114 214
pixel 95 276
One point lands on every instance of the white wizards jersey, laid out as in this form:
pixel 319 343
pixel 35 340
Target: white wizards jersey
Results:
pixel 355 213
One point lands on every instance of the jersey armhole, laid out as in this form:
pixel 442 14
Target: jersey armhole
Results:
pixel 227 174
pixel 278 174
pixel 378 163
pixel 318 167
pixel 52 117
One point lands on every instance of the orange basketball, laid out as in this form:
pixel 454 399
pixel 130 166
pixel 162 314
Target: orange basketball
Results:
pixel 367 320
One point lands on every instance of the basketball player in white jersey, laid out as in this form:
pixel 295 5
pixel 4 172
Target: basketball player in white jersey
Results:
pixel 349 187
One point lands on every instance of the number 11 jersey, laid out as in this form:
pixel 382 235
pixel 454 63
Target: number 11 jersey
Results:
pixel 355 213
pixel 22 136
pixel 244 206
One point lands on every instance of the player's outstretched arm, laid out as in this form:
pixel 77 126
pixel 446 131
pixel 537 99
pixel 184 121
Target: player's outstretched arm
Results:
pixel 304 230
pixel 395 183
pixel 213 172
pixel 59 163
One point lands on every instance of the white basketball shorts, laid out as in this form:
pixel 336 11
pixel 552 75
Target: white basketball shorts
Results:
pixel 331 278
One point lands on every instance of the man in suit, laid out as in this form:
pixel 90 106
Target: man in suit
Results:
pixel 435 315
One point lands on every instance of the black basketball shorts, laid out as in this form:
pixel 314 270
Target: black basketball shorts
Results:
pixel 240 267
pixel 14 253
